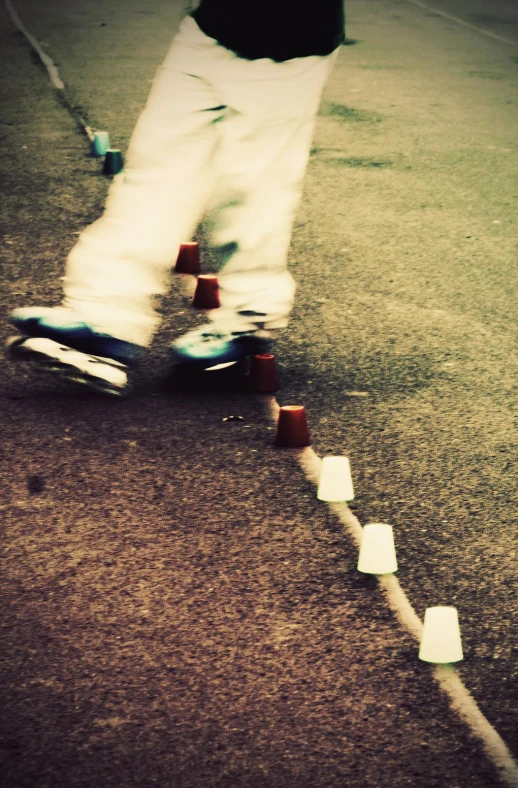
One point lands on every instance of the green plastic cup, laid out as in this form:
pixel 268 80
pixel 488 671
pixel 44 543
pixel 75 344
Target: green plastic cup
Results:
pixel 113 162
pixel 101 143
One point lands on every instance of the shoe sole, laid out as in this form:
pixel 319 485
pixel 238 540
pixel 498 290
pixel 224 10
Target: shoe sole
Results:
pixel 97 373
pixel 219 367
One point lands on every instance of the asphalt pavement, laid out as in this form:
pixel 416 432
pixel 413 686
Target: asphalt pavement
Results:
pixel 178 608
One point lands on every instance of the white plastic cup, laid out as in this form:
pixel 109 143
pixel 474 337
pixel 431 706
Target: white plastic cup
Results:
pixel 335 482
pixel 101 143
pixel 441 641
pixel 377 551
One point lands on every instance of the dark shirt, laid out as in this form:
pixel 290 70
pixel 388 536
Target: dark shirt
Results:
pixel 275 29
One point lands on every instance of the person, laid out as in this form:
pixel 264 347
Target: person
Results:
pixel 225 136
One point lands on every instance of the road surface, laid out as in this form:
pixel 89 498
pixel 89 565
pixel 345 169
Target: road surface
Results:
pixel 179 609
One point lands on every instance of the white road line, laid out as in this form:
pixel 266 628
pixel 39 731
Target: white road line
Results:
pixel 51 67
pixel 45 59
pixel 447 677
pixel 464 24
pixel 466 707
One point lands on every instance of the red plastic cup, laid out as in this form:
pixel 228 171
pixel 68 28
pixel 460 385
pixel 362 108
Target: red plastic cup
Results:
pixel 262 376
pixel 188 260
pixel 292 428
pixel 206 295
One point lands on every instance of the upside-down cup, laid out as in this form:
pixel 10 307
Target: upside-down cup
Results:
pixel 377 552
pixel 262 376
pixel 188 260
pixel 100 143
pixel 206 295
pixel 113 162
pixel 440 641
pixel 292 427
pixel 335 483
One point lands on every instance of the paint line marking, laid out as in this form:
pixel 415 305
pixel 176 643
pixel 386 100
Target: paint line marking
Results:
pixel 51 67
pixel 464 24
pixel 466 707
pixel 462 702
pixel 45 59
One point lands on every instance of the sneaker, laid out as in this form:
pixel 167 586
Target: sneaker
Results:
pixel 64 325
pixel 56 340
pixel 209 347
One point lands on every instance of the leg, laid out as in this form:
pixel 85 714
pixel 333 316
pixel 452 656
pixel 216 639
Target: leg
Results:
pixel 123 260
pixel 250 230
pixel 261 165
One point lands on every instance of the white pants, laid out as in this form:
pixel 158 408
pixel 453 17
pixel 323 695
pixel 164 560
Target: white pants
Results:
pixel 220 137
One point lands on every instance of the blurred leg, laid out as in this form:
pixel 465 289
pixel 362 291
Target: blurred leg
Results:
pixel 123 259
pixel 261 165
